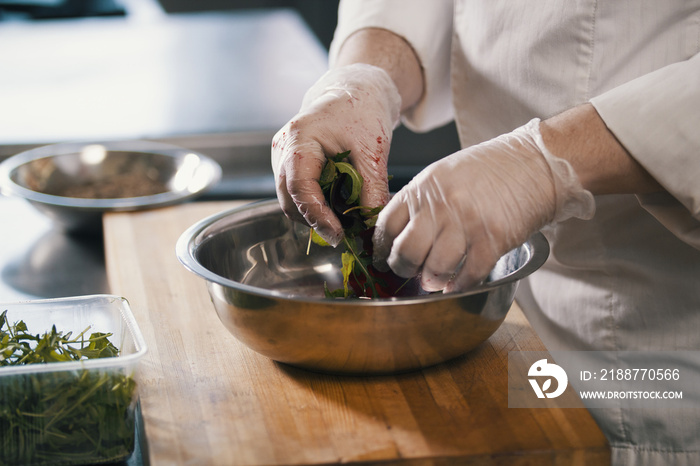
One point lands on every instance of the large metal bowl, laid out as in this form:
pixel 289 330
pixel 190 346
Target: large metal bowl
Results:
pixel 268 292
pixel 75 183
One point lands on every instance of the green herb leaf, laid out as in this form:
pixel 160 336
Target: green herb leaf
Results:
pixel 328 175
pixel 355 181
pixel 348 261
pixel 339 157
pixel 342 185
pixel 339 293
pixel 66 417
pixel 316 239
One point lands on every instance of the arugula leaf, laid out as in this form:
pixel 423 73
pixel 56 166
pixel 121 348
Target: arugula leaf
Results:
pixel 339 293
pixel 342 185
pixel 348 260
pixel 354 182
pixel 328 175
pixel 63 417
pixel 316 239
pixel 339 157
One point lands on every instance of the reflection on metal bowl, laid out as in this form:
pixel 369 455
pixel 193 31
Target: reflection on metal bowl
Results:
pixel 74 183
pixel 268 292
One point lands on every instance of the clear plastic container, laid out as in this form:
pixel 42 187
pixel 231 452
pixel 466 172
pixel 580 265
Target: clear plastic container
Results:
pixel 80 412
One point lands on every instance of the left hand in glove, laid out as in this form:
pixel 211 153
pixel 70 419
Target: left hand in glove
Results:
pixel 457 217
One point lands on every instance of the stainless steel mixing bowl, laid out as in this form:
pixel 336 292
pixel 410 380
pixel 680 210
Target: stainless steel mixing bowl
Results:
pixel 74 183
pixel 268 292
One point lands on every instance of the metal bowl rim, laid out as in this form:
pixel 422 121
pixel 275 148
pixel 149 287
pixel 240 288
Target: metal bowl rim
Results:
pixel 187 244
pixel 10 188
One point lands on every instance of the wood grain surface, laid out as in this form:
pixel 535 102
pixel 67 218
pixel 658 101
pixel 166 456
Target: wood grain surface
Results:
pixel 207 399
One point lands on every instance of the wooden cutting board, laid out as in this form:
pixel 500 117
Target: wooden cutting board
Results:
pixel 207 399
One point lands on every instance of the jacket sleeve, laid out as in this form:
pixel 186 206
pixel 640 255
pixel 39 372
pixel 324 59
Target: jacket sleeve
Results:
pixel 657 118
pixel 427 27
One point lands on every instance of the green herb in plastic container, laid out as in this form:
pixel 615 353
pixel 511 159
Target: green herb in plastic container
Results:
pixel 67 381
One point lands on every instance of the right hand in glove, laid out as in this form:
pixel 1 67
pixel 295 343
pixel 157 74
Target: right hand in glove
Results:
pixel 352 108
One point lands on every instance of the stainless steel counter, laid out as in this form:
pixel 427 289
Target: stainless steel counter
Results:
pixel 163 76
pixel 38 261
pixel 218 82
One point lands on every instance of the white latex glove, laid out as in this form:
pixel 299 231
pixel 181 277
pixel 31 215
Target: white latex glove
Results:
pixel 457 217
pixel 353 108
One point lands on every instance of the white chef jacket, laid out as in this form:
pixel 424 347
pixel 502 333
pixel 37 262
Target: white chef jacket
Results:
pixel 628 279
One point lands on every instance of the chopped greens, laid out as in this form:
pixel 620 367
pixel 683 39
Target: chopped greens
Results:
pixel 342 184
pixel 20 347
pixel 62 416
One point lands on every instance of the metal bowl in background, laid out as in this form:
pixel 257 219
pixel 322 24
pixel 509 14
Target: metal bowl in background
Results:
pixel 268 292
pixel 75 183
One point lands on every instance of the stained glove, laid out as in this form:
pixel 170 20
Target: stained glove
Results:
pixel 457 217
pixel 353 108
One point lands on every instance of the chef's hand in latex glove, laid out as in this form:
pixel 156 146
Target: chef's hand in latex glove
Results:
pixel 353 108
pixel 457 217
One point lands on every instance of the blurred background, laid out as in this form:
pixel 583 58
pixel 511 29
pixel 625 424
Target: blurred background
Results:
pixel 217 76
